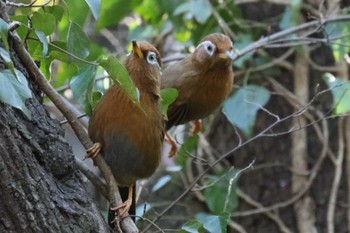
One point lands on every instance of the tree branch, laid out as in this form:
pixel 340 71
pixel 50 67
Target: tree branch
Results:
pixel 263 42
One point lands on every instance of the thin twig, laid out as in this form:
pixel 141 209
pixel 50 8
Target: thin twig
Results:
pixel 274 217
pixel 263 42
pixel 229 188
pixel 15 4
pixel 337 176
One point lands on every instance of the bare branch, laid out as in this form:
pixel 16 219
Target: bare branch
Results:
pixel 337 176
pixel 229 188
pixel 274 217
pixel 315 25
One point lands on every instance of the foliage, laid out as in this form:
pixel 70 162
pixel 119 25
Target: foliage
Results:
pixel 341 93
pixel 56 35
pixel 241 108
pixel 15 91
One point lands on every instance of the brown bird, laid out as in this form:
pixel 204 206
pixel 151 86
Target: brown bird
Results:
pixel 203 79
pixel 128 137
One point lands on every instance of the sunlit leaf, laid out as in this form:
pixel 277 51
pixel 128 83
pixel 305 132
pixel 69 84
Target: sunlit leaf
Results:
pixel 241 108
pixel 77 42
pixel 44 22
pixel 198 9
pixel 15 91
pixel 341 93
pixel 214 223
pixel 118 73
pixel 168 96
pixel 149 11
pixel 217 193
pixel 192 226
pixel 94 7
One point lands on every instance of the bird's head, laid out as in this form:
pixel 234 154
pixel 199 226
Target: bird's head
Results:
pixel 214 48
pixel 144 65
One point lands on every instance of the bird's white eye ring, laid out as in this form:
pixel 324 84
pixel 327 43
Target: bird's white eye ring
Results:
pixel 209 47
pixel 152 58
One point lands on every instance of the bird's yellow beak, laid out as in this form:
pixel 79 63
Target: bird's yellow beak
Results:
pixel 136 49
pixel 226 54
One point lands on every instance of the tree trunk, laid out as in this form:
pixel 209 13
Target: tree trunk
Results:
pixel 41 188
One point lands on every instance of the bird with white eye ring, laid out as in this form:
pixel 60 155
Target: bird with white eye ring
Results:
pixel 204 79
pixel 130 138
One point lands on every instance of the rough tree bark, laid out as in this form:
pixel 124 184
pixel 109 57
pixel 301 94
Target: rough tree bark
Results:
pixel 41 188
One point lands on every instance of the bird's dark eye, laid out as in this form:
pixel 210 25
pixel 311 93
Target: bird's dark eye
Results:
pixel 210 48
pixel 151 58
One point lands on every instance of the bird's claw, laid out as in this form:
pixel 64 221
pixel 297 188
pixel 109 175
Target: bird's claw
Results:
pixel 173 146
pixel 196 127
pixel 122 210
pixel 93 151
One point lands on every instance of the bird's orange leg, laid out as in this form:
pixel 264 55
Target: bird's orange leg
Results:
pixel 124 208
pixel 93 151
pixel 172 143
pixel 196 126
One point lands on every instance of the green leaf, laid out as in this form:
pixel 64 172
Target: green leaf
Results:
pixel 15 92
pixel 54 53
pixel 197 9
pixel 187 146
pixel 43 40
pixel 168 96
pixel 339 29
pixel 82 84
pixel 56 11
pixel 5 53
pixel 113 11
pixel 214 223
pixel 340 91
pixel 96 96
pixel 149 11
pixel 5 56
pixel 4 33
pixel 22 30
pixel 192 226
pixel 94 7
pixel 216 193
pixel 44 22
pixel 118 73
pixel 242 107
pixel 77 42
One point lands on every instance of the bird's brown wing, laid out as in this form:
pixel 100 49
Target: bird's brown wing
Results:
pixel 176 115
pixel 178 75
